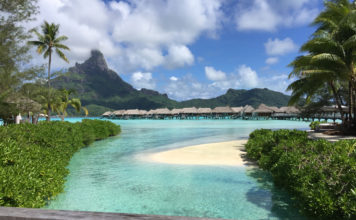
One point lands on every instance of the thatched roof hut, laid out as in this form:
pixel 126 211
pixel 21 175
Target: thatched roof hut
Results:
pixel 151 112
pixel 191 110
pixel 205 110
pixel 248 109
pixel 24 104
pixel 107 114
pixel 142 112
pixel 163 111
pixel 118 112
pixel 176 111
pixel 225 110
pixel 237 109
pixel 132 112
pixel 263 109
pixel 289 110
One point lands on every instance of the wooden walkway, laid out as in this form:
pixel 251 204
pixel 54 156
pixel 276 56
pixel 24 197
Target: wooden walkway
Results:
pixel 41 214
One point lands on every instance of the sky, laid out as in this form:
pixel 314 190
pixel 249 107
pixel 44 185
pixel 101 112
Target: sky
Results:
pixel 186 48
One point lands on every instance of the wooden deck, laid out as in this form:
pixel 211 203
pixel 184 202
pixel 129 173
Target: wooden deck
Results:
pixel 40 214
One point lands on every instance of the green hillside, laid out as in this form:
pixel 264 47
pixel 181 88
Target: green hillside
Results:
pixel 101 89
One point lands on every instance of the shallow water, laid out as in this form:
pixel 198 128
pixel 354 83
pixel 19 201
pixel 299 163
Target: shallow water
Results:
pixel 109 177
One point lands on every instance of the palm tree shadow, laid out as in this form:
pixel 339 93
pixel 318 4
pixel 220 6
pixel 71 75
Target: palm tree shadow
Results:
pixel 279 203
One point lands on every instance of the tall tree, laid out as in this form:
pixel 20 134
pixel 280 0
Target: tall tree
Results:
pixel 46 43
pixel 330 58
pixel 13 52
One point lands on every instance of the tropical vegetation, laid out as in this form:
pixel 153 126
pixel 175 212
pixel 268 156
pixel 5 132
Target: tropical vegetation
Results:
pixel 328 66
pixel 319 175
pixel 33 158
pixel 14 53
pixel 46 43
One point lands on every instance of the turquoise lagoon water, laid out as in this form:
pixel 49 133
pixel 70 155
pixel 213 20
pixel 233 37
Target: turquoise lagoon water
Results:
pixel 110 176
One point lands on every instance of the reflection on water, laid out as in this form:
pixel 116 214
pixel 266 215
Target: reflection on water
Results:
pixel 108 177
pixel 280 204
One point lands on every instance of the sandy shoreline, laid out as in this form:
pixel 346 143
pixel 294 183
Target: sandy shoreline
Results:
pixel 213 154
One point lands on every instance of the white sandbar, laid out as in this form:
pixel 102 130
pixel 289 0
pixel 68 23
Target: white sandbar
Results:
pixel 223 154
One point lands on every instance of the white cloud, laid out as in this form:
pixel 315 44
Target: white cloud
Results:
pixel 133 35
pixel 143 80
pixel 189 88
pixel 173 78
pixel 213 74
pixel 247 77
pixel 259 17
pixel 280 47
pixel 179 56
pixel 272 60
pixel 268 15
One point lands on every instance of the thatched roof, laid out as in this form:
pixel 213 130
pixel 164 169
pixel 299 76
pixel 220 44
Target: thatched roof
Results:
pixel 225 109
pixel 150 112
pixel 289 110
pixel 176 111
pixel 205 110
pixel 107 114
pixel 132 112
pixel 24 104
pixel 118 112
pixel 263 109
pixel 248 109
pixel 191 110
pixel 237 109
pixel 143 112
pixel 163 111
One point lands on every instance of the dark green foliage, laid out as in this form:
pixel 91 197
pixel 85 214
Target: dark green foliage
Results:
pixel 320 175
pixel 315 125
pixel 33 158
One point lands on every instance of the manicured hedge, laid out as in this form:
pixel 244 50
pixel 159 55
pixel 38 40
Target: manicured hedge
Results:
pixel 33 158
pixel 320 176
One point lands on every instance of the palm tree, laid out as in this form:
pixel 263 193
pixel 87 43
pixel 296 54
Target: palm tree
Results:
pixel 65 100
pixel 330 58
pixel 46 43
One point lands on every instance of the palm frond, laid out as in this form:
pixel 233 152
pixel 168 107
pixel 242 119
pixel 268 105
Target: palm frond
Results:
pixel 61 55
pixel 59 39
pixel 61 46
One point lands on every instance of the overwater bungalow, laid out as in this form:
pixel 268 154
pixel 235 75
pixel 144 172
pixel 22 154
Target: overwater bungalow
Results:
pixel 118 113
pixel 247 111
pixel 189 113
pixel 222 112
pixel 131 113
pixel 205 112
pixel 175 113
pixel 264 111
pixel 237 111
pixel 162 113
pixel 107 114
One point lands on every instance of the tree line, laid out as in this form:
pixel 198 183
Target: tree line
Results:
pixel 24 89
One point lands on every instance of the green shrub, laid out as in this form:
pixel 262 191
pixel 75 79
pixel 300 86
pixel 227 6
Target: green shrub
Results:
pixel 33 158
pixel 319 174
pixel 315 125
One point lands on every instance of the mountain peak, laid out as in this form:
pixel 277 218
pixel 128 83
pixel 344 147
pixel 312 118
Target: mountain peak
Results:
pixel 96 60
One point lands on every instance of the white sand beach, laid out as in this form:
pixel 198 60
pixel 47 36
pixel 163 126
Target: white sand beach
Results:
pixel 223 154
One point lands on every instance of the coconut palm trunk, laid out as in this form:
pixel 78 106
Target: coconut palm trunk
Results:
pixel 338 101
pixel 48 118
